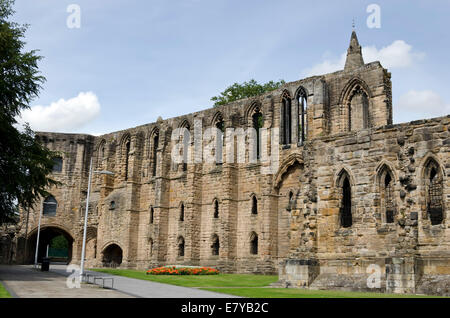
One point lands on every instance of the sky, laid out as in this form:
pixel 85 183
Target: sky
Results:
pixel 111 65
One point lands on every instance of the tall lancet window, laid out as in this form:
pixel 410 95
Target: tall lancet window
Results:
pixel 257 121
pixel 186 144
pixel 434 193
pixel 286 119
pixel 155 152
pixel 346 202
pixel 127 157
pixel 220 125
pixel 302 116
pixel 389 202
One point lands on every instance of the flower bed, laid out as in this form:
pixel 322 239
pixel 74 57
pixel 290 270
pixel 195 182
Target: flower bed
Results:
pixel 175 270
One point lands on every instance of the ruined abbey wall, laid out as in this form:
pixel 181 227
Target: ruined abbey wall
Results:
pixel 294 220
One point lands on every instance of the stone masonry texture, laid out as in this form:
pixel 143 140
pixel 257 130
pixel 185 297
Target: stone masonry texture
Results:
pixel 135 215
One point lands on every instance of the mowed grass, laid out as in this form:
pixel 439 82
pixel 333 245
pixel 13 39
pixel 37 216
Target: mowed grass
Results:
pixel 247 285
pixel 220 280
pixel 3 292
pixel 305 293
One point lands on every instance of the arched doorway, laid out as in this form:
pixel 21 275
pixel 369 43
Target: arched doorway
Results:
pixel 112 256
pixel 54 242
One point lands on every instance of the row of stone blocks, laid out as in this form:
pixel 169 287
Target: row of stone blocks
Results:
pixel 398 275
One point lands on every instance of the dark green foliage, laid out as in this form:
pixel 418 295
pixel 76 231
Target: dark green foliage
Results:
pixel 24 162
pixel 244 90
pixel 59 242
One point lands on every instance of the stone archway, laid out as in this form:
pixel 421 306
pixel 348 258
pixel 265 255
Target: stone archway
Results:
pixel 112 256
pixel 47 235
pixel 288 190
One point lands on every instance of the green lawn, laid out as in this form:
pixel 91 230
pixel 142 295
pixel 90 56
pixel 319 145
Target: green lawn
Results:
pixel 3 292
pixel 304 293
pixel 247 285
pixel 220 280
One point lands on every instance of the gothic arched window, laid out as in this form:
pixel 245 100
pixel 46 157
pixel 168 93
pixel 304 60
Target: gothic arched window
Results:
pixel 254 205
pixel 182 212
pixel 433 178
pixel 286 119
pixel 302 116
pixel 127 155
pixel 220 125
pixel 155 141
pixel 345 213
pixel 358 109
pixel 257 123
pixel 186 144
pixel 388 198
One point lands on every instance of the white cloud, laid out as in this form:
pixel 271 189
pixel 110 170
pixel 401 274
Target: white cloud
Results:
pixel 63 115
pixel 396 55
pixel 416 105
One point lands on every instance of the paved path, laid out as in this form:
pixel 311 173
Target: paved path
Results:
pixel 24 281
pixel 148 289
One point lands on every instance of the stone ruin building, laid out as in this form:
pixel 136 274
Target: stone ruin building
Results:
pixel 353 195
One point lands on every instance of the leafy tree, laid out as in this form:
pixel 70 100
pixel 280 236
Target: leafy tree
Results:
pixel 24 162
pixel 59 242
pixel 244 90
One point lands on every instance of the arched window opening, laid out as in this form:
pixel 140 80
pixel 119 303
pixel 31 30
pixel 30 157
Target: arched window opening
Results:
pixel 358 109
pixel 216 209
pixel 286 120
pixel 220 125
pixel 346 205
pixel 127 155
pixel 254 205
pixel 257 121
pixel 155 153
pixel 435 193
pixel 182 212
pixel 50 205
pixel 389 202
pixel 180 246
pixel 186 144
pixel 152 212
pixel 215 245
pixel 254 244
pixel 302 116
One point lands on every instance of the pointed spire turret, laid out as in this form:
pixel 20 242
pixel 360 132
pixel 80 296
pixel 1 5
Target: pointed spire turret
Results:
pixel 354 55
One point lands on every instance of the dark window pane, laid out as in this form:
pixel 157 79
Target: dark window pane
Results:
pixel 49 207
pixel 57 164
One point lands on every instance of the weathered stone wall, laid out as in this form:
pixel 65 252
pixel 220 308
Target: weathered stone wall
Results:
pixel 349 132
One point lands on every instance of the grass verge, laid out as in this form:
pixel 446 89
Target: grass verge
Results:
pixel 3 292
pixel 247 285
pixel 220 280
